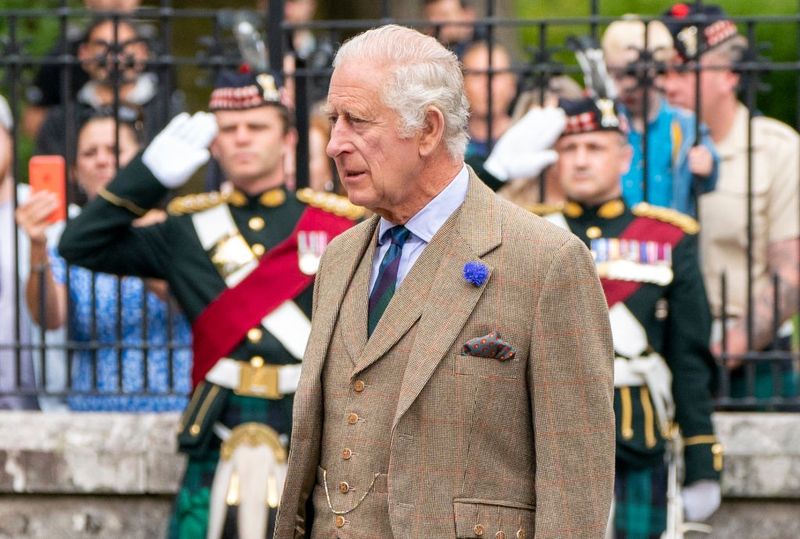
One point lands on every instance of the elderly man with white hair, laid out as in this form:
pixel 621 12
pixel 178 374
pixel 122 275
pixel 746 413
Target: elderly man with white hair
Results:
pixel 458 378
pixel 679 167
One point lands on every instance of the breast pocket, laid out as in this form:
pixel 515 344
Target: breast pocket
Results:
pixel 488 367
pixel 479 518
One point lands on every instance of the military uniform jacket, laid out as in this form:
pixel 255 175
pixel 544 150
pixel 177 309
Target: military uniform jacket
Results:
pixel 103 239
pixel 647 258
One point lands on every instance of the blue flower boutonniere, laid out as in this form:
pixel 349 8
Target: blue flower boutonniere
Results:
pixel 475 273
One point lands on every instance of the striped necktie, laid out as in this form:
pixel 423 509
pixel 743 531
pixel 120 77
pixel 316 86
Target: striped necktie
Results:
pixel 386 282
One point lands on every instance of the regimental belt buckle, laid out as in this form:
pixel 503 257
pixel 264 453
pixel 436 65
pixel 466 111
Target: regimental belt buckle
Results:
pixel 261 382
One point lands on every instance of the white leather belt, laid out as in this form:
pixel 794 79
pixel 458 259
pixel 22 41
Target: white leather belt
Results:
pixel 265 381
pixel 651 371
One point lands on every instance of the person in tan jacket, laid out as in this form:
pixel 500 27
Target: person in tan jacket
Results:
pixel 458 377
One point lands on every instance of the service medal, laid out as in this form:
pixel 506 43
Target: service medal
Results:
pixel 310 246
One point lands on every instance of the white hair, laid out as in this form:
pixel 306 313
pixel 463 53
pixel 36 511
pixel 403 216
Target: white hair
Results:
pixel 423 74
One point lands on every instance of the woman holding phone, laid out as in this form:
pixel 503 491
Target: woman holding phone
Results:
pixel 142 323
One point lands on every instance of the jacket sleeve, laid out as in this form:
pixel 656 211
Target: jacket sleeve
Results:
pixel 691 362
pixel 571 380
pixel 103 238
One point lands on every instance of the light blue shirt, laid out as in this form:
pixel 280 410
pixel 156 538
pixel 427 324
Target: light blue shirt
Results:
pixel 423 226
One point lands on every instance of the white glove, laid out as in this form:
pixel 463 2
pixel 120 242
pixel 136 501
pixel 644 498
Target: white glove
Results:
pixel 180 148
pixel 525 149
pixel 701 499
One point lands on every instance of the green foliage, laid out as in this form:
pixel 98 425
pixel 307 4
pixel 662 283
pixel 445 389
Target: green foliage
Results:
pixel 781 39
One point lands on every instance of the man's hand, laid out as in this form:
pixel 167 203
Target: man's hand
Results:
pixel 736 345
pixel 701 162
pixel 181 148
pixel 32 216
pixel 701 499
pixel 525 149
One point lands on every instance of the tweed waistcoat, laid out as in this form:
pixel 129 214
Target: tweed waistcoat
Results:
pixel 354 459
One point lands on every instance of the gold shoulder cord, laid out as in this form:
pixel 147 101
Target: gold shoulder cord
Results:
pixel 685 222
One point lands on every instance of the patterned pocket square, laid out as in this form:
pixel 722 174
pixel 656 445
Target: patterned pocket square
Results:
pixel 490 346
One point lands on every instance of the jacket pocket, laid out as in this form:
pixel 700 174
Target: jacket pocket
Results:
pixel 478 518
pixel 488 367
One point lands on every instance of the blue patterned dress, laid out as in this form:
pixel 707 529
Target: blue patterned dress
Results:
pixel 134 392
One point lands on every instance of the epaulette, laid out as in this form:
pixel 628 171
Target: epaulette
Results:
pixel 202 201
pixel 331 203
pixel 686 223
pixel 543 210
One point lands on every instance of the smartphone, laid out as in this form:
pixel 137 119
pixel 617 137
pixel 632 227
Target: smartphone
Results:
pixel 48 173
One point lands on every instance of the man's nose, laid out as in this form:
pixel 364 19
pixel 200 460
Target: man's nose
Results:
pixel 336 144
pixel 242 134
pixel 581 156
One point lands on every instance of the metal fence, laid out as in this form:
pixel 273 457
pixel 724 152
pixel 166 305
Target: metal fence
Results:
pixel 186 48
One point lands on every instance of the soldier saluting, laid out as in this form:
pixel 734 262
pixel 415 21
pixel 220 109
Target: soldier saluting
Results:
pixel 241 263
pixel 647 260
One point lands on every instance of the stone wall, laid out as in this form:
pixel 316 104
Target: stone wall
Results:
pixel 113 475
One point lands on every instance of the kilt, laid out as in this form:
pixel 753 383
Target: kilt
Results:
pixel 640 501
pixel 189 518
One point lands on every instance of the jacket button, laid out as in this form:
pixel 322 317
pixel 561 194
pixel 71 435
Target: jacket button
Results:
pixel 256 223
pixel 344 488
pixel 257 362
pixel 339 522
pixel 500 535
pixel 359 386
pixel 520 534
pixel 254 335
pixel 478 529
pixel 347 453
pixel 352 418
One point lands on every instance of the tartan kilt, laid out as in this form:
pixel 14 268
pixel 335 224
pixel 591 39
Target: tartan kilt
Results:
pixel 640 501
pixel 189 518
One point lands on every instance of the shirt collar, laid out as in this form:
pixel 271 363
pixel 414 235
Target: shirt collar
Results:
pixel 427 221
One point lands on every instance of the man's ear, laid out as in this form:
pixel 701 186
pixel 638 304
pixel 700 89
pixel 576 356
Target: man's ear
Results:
pixel 626 158
pixel 214 149
pixel 432 131
pixel 290 140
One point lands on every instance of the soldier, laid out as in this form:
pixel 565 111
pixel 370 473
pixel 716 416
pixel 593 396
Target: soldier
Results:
pixel 647 260
pixel 241 264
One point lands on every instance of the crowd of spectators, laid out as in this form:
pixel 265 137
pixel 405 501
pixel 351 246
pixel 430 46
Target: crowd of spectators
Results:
pixel 117 105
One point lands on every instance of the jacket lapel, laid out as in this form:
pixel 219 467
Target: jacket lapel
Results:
pixel 356 301
pixel 332 293
pixel 452 299
pixel 406 306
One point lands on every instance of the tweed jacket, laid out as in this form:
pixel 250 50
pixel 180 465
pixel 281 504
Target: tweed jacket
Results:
pixel 477 445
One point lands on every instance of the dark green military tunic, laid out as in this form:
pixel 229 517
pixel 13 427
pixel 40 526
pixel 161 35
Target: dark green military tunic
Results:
pixel 103 239
pixel 673 311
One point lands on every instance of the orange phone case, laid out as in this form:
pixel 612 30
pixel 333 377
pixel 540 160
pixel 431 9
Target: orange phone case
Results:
pixel 48 173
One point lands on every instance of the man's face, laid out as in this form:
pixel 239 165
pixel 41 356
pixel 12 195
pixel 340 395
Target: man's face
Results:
pixel 631 92
pixel 97 54
pixel 250 144
pixel 590 165
pixel 476 84
pixel 376 165
pixel 716 81
pixel 450 11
